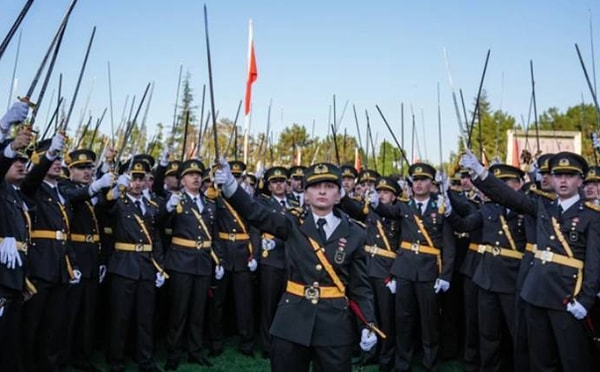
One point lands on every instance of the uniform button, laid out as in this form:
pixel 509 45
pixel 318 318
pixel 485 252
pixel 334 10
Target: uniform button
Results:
pixel 319 267
pixel 500 232
pixel 574 276
pixel 419 231
pixel 551 238
pixel 314 301
pixel 287 301
pixel 316 284
pixel 497 243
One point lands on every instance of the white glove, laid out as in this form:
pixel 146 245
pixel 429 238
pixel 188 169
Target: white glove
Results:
pixel 225 178
pixel 441 285
pixel 173 202
pixel 160 280
pixel 123 180
pixel 9 255
pixel 368 339
pixel 442 179
pixel 16 114
pixel 1 311
pixel 391 285
pixel 444 200
pixel 252 265
pixel 576 309
pixel 77 277
pixel 58 144
pixel 596 141
pixel 101 273
pixel 219 272
pixel 267 244
pixel 104 167
pixel 164 157
pixel 469 160
pixel 374 199
pixel 106 180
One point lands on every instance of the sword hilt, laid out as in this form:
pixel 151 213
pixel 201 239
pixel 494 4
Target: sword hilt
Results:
pixel 27 101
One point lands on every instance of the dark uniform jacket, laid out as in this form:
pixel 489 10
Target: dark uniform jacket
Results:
pixel 127 229
pixel 382 232
pixel 48 258
pixel 83 224
pixel 274 257
pixel 14 222
pixel 328 322
pixel 467 259
pixel 421 267
pixel 549 284
pixel 237 251
pixel 185 225
pixel 495 272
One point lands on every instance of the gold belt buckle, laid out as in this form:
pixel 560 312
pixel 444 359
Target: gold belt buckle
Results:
pixel 199 244
pixel 60 235
pixel 312 293
pixel 139 247
pixel 232 237
pixel 373 250
pixel 481 249
pixel 415 248
pixel 546 256
pixel 89 238
pixel 495 251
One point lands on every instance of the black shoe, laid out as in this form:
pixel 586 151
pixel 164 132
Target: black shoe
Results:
pixel 171 365
pixel 215 352
pixel 200 360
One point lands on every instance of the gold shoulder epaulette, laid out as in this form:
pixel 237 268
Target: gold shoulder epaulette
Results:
pixel 361 224
pixel 152 203
pixel 404 199
pixel 592 206
pixel 545 194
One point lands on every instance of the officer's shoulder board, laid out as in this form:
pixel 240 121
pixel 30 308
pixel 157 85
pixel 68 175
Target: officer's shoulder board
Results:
pixel 294 203
pixel 592 206
pixel 265 196
pixel 299 213
pixel 209 200
pixel 361 224
pixel 404 199
pixel 545 194
pixel 152 203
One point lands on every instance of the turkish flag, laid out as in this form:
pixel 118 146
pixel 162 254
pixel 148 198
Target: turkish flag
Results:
pixel 252 70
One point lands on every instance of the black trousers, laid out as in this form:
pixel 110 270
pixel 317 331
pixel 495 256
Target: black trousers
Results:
pixel 43 327
pixel 472 358
pixel 384 311
pixel 521 348
pixel 288 356
pixel 80 315
pixel 416 301
pixel 452 328
pixel 129 298
pixel 10 331
pixel 496 322
pixel 188 297
pixel 241 283
pixel 272 287
pixel 557 341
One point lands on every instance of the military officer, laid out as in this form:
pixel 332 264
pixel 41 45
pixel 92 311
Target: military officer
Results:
pixel 564 277
pixel 349 175
pixel 85 241
pixel 134 266
pixel 590 185
pixel 51 261
pixel 501 248
pixel 272 254
pixel 296 179
pixel 189 261
pixel 239 264
pixel 326 268
pixel 423 266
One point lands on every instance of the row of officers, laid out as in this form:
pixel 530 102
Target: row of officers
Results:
pixel 514 268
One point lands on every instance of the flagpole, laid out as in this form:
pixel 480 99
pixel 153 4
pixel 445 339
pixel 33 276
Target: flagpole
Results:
pixel 252 76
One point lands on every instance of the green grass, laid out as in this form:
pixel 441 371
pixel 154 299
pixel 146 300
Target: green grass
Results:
pixel 232 360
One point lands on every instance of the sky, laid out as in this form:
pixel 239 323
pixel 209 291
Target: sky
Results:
pixel 384 53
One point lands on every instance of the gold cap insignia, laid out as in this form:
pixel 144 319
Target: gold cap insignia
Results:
pixel 236 168
pixel 321 168
pixel 138 167
pixel 277 172
pixel 592 172
pixel 418 170
pixel 82 157
pixel 194 165
pixel 564 162
pixel 497 172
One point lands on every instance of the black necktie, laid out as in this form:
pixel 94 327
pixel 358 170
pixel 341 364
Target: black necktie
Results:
pixel 420 208
pixel 195 200
pixel 560 210
pixel 55 193
pixel 138 205
pixel 282 202
pixel 320 224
